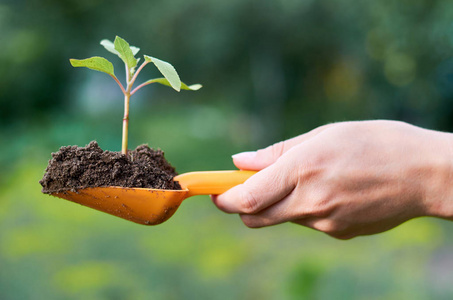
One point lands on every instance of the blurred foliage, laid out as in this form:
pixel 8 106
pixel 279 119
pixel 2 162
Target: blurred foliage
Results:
pixel 271 69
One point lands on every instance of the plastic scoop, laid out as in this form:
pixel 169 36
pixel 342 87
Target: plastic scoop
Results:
pixel 154 206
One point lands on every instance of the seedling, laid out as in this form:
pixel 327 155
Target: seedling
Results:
pixel 127 53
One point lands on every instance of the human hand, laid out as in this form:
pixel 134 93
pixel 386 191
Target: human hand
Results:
pixel 347 179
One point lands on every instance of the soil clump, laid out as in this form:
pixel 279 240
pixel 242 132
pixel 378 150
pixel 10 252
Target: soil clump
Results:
pixel 73 168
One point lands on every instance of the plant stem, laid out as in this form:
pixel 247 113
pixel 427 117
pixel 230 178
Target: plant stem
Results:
pixel 127 97
pixel 137 72
pixel 139 87
pixel 128 74
pixel 119 83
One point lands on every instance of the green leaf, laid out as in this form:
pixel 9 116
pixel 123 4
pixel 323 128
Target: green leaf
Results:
pixel 94 63
pixel 108 45
pixel 167 70
pixel 111 47
pixel 164 81
pixel 125 52
pixel 134 50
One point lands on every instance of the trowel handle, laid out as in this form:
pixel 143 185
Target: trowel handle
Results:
pixel 211 182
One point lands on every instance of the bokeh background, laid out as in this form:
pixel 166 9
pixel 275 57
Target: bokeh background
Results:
pixel 271 69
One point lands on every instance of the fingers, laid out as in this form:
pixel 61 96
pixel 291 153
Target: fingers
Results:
pixel 260 191
pixel 267 198
pixel 258 160
pixel 290 209
pixel 287 209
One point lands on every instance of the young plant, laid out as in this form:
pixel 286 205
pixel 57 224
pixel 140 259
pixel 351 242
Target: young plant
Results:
pixel 127 53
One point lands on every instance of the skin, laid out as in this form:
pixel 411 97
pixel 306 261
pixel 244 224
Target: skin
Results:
pixel 347 179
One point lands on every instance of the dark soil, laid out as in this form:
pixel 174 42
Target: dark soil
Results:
pixel 73 168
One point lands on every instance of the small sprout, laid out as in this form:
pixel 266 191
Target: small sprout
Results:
pixel 127 54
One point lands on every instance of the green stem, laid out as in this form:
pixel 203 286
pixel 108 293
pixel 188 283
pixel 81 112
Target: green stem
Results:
pixel 128 74
pixel 119 83
pixel 127 97
pixel 137 72
pixel 141 85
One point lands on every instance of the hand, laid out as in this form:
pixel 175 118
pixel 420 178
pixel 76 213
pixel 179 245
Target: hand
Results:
pixel 347 179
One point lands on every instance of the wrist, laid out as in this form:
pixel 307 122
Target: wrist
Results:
pixel 439 188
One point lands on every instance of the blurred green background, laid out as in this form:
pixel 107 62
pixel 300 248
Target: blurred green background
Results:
pixel 271 69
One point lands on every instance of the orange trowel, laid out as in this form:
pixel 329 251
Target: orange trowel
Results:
pixel 154 206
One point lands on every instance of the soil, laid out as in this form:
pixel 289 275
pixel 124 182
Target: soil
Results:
pixel 73 168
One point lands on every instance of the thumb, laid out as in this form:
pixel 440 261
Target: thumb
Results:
pixel 259 191
pixel 258 160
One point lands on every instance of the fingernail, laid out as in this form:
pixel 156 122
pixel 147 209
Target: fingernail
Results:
pixel 245 155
